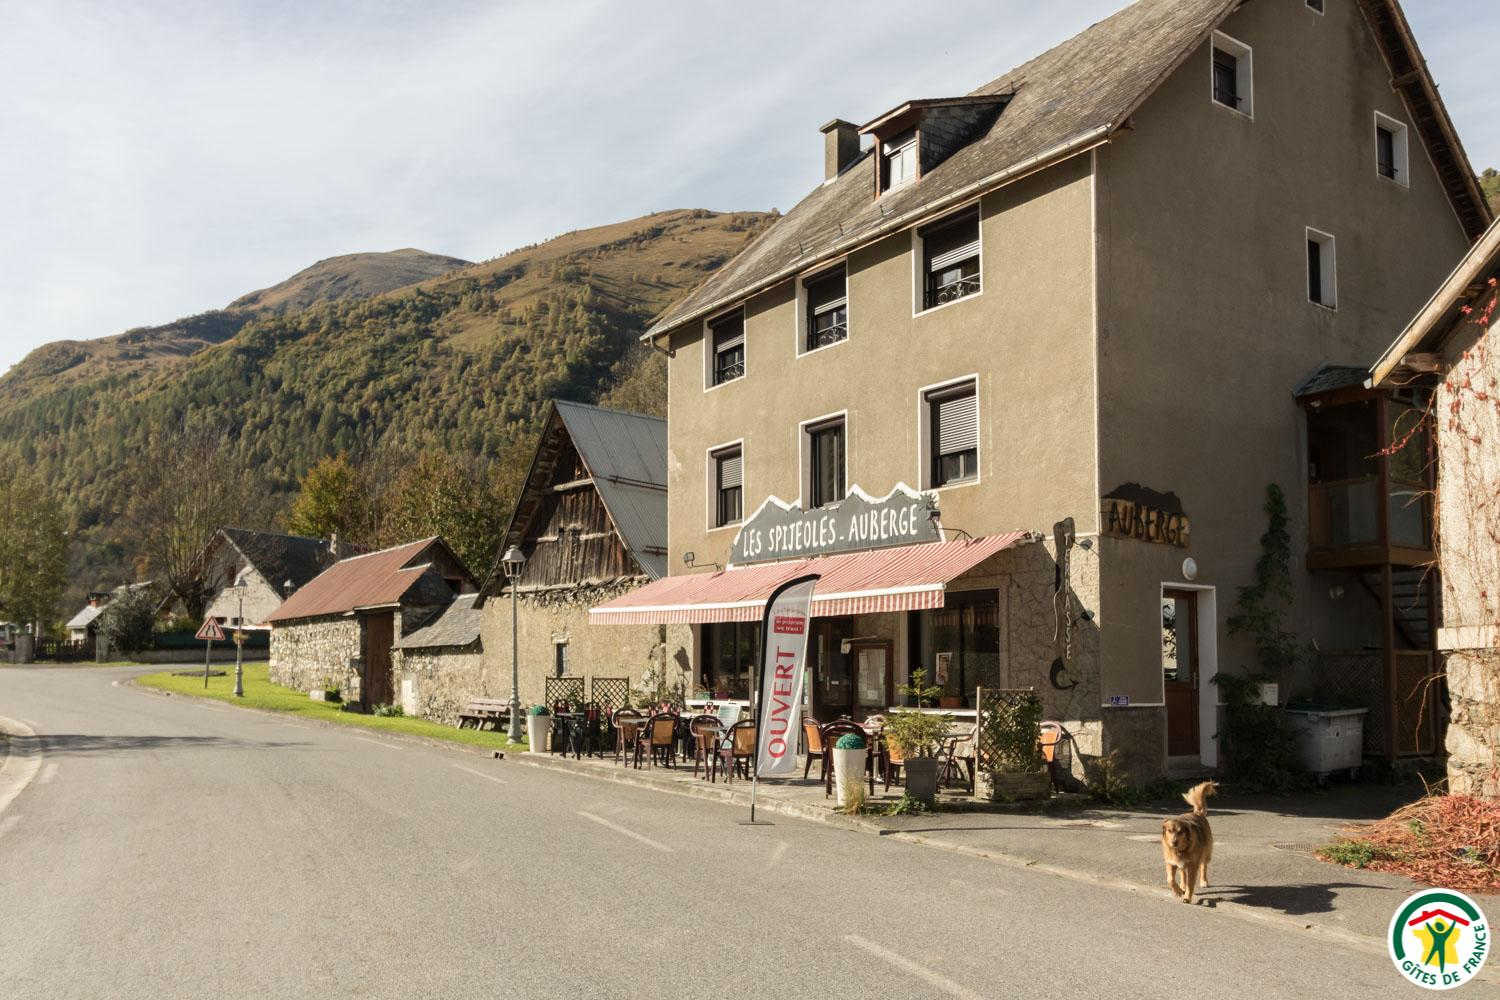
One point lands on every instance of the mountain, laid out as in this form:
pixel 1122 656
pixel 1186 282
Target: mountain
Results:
pixel 1489 181
pixel 352 276
pixel 462 362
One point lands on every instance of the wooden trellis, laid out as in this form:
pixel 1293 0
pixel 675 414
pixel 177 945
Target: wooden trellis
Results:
pixel 568 689
pixel 611 691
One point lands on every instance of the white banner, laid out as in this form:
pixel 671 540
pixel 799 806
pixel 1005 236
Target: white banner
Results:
pixel 783 676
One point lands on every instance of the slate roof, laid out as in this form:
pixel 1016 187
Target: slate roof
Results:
pixel 457 626
pixel 402 574
pixel 626 454
pixel 279 558
pixel 88 613
pixel 1331 377
pixel 1065 101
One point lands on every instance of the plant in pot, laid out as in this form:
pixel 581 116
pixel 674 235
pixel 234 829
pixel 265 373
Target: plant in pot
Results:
pixel 1011 766
pixel 538 727
pixel 849 767
pixel 919 736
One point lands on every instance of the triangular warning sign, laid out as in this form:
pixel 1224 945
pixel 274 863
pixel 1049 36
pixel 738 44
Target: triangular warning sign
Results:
pixel 210 631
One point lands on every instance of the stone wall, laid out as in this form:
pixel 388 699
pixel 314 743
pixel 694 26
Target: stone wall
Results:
pixel 1473 741
pixel 309 654
pixel 435 683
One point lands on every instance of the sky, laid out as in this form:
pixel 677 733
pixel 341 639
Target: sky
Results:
pixel 158 159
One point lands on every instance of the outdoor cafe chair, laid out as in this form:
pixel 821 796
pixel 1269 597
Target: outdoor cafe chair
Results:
pixel 956 760
pixel 658 741
pixel 894 760
pixel 1057 750
pixel 830 734
pixel 738 750
pixel 705 732
pixel 627 723
pixel 812 735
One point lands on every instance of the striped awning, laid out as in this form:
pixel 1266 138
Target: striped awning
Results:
pixel 904 578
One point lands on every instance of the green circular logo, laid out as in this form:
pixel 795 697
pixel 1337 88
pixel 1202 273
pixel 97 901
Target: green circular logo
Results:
pixel 1439 939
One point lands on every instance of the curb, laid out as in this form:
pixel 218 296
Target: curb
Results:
pixel 17 769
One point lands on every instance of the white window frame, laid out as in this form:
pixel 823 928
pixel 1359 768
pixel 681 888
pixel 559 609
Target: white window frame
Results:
pixel 804 453
pixel 1244 57
pixel 799 332
pixel 924 434
pixel 1328 264
pixel 909 148
pixel 1400 149
pixel 711 485
pixel 919 264
pixel 709 356
pixel 1209 701
pixel 1318 10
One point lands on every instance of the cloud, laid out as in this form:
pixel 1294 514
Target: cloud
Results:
pixel 194 151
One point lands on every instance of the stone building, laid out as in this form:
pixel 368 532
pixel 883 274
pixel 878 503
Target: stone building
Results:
pixel 1067 312
pixel 1449 355
pixel 340 629
pixel 591 520
pixel 261 569
pixel 441 666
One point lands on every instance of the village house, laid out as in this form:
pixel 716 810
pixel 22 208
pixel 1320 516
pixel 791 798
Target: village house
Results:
pixel 591 523
pixel 1446 360
pixel 339 630
pixel 1016 376
pixel 83 627
pixel 257 570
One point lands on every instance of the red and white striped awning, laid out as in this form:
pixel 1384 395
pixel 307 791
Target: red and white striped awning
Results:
pixel 905 578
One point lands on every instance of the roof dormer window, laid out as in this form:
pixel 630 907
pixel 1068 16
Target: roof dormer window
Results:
pixel 898 160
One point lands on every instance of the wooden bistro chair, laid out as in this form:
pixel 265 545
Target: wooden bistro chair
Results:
pixel 658 740
pixel 894 761
pixel 627 723
pixel 1057 750
pixel 705 732
pixel 738 750
pixel 812 735
pixel 830 734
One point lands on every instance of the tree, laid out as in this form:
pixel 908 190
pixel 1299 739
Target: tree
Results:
pixel 126 624
pixel 33 550
pixel 332 499
pixel 185 489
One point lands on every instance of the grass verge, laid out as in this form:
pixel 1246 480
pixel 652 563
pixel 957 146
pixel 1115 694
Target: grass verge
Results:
pixel 261 693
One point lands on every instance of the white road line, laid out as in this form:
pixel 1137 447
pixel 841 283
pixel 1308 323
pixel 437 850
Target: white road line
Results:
pixel 923 973
pixel 379 743
pixel 49 772
pixel 480 774
pixel 629 833
pixel 9 823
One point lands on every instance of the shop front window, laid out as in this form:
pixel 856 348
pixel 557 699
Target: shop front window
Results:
pixel 730 652
pixel 959 644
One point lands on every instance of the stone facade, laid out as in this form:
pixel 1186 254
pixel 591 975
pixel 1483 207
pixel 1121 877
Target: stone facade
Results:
pixel 307 655
pixel 435 683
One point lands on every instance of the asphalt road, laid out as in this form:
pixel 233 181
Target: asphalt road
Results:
pixel 173 848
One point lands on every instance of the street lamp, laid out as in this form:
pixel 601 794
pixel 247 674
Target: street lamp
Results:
pixel 239 641
pixel 512 562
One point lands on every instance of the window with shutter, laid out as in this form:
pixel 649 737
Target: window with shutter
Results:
pixel 950 259
pixel 728 488
pixel 954 417
pixel 728 335
pixel 827 309
pixel 826 463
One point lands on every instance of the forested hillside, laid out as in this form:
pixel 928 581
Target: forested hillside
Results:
pixel 460 364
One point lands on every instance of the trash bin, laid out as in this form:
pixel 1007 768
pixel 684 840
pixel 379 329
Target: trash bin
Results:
pixel 1329 740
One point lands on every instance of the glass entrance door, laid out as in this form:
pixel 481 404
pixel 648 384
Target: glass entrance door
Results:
pixel 872 678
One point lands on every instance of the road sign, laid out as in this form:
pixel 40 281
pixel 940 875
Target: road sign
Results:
pixel 210 631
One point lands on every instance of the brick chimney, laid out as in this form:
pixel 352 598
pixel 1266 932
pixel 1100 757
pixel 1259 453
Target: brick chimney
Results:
pixel 840 147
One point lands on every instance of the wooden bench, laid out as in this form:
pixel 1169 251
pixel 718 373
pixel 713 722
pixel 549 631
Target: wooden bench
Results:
pixel 482 710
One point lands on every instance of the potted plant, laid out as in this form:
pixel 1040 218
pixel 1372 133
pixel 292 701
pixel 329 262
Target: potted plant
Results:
pixel 919 736
pixel 1013 767
pixel 849 766
pixel 538 727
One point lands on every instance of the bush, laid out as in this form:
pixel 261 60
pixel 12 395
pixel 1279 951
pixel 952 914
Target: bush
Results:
pixel 1352 853
pixel 1011 724
pixel 1260 750
pixel 128 622
pixel 850 741
pixel 388 710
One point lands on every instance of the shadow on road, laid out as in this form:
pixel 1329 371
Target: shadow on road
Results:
pixel 82 743
pixel 1294 900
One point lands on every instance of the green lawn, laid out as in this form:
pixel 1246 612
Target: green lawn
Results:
pixel 261 693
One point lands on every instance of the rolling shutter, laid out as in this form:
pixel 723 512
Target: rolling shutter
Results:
pixel 729 471
pixel 958 423
pixel 952 243
pixel 728 332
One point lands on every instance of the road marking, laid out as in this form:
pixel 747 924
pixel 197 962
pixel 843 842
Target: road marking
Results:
pixel 379 743
pixel 1218 842
pixel 779 852
pixel 934 980
pixel 48 773
pixel 9 823
pixel 629 833
pixel 480 774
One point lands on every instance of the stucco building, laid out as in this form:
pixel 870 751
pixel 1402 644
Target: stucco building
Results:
pixel 1068 310
pixel 260 569
pixel 1448 353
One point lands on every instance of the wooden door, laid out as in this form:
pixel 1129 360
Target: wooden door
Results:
pixel 1179 664
pixel 872 678
pixel 380 636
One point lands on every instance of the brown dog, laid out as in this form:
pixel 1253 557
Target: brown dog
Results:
pixel 1187 843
